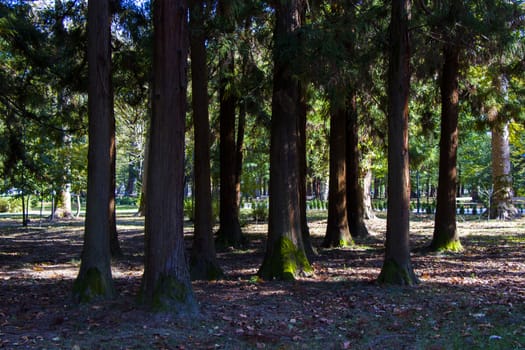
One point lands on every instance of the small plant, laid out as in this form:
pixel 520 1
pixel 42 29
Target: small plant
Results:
pixel 4 205
pixel 260 211
pixel 189 211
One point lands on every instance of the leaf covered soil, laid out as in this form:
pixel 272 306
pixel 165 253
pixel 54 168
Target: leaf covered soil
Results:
pixel 473 299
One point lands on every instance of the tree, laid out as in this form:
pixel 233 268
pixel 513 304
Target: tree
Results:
pixel 445 235
pixel 397 267
pixel 94 279
pixel 337 231
pixel 285 257
pixel 203 260
pixel 229 233
pixel 355 198
pixel 166 282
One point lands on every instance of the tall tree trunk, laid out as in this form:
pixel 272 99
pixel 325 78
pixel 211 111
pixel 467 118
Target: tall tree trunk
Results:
pixel 285 257
pixel 301 148
pixel 229 233
pixel 94 279
pixel 397 267
pixel 337 231
pixel 114 244
pixel 354 192
pixel 145 166
pixel 238 152
pixel 203 260
pixel 501 207
pixel 367 199
pixel 166 282
pixel 445 235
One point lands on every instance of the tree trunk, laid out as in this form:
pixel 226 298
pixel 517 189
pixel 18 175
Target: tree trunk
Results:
pixel 166 284
pixel 367 199
pixel 229 233
pixel 238 152
pixel 301 148
pixel 445 237
pixel 94 279
pixel 337 231
pixel 397 267
pixel 354 192
pixel 114 244
pixel 203 260
pixel 502 207
pixel 285 256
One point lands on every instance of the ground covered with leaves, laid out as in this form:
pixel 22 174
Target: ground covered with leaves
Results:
pixel 469 300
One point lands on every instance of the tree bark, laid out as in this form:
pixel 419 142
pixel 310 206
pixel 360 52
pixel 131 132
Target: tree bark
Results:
pixel 114 244
pixel 203 259
pixel 166 284
pixel 229 233
pixel 301 148
pixel 354 192
pixel 445 237
pixel 337 231
pixel 285 256
pixel 501 205
pixel 367 199
pixel 397 267
pixel 94 279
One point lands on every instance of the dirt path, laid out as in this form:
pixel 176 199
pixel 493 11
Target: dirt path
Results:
pixel 470 300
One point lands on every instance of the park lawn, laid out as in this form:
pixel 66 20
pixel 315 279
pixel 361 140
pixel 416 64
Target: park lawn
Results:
pixel 474 299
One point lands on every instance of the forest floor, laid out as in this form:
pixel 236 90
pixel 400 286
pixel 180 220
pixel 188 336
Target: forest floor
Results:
pixel 469 300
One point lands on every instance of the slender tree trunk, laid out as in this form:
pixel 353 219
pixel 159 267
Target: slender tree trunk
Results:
pixel 502 206
pixel 238 153
pixel 145 166
pixel 166 284
pixel 114 244
pixel 397 267
pixel 285 256
pixel 203 260
pixel 445 232
pixel 301 148
pixel 367 199
pixel 354 192
pixel 94 279
pixel 337 231
pixel 229 233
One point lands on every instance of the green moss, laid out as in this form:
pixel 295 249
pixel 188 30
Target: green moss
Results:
pixel 91 285
pixel 344 243
pixel 172 295
pixel 444 244
pixel 392 273
pixel 287 262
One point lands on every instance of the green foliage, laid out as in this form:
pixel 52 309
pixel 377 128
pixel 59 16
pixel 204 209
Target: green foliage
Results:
pixel 260 210
pixel 4 205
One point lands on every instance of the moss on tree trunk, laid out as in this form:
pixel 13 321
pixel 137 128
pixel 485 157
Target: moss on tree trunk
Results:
pixel 171 295
pixel 442 243
pixel 287 262
pixel 92 285
pixel 393 273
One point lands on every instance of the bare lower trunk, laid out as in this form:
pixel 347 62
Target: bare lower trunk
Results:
pixel 445 232
pixel 354 191
pixel 502 207
pixel 203 260
pixel 166 284
pixel 397 266
pixel 285 257
pixel 337 232
pixel 367 198
pixel 94 278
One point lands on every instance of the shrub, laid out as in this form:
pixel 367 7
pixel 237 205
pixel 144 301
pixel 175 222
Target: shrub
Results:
pixel 189 210
pixel 4 205
pixel 260 211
